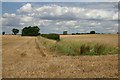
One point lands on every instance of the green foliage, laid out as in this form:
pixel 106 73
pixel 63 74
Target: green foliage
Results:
pixel 3 33
pixel 15 31
pixel 51 36
pixel 30 31
pixel 73 34
pixel 74 48
pixel 92 32
pixel 64 32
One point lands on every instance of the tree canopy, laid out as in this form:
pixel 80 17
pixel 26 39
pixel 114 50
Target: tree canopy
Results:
pixel 64 32
pixel 3 33
pixel 15 31
pixel 92 32
pixel 30 31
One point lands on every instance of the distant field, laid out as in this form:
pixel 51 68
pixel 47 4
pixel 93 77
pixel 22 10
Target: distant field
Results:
pixel 109 39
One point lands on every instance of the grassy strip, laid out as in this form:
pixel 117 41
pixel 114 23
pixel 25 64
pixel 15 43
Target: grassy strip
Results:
pixel 76 48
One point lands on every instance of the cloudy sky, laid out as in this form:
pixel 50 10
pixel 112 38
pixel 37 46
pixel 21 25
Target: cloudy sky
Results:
pixel 55 17
pixel 60 0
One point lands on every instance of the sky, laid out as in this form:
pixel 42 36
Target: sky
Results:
pixel 55 17
pixel 60 0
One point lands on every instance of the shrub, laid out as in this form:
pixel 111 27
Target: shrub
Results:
pixel 51 36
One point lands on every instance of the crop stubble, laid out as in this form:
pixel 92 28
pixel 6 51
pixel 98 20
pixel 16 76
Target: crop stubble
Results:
pixel 25 57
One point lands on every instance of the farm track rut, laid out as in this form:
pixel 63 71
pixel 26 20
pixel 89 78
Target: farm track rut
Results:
pixel 25 57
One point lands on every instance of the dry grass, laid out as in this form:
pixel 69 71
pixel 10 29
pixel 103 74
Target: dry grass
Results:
pixel 109 39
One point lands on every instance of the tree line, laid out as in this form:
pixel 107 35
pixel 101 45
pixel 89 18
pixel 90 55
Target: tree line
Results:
pixel 34 31
pixel 91 32
pixel 27 31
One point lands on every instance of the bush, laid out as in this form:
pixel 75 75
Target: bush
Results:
pixel 51 36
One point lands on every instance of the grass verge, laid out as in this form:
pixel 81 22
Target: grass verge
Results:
pixel 76 48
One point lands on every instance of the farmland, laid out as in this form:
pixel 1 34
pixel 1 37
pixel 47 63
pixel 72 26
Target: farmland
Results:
pixel 33 57
pixel 110 39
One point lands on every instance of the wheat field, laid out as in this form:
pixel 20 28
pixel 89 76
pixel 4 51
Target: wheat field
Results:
pixel 35 57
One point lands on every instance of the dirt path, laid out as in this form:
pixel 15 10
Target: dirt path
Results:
pixel 25 57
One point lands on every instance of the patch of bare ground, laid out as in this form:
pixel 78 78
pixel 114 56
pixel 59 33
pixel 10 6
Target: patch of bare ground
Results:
pixel 26 57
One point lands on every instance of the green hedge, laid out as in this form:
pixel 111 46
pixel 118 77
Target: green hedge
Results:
pixel 51 36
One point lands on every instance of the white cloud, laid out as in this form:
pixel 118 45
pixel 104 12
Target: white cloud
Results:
pixel 95 23
pixel 100 14
pixel 9 15
pixel 111 0
pixel 54 12
pixel 26 19
pixel 22 24
pixel 10 19
pixel 26 8
pixel 115 16
pixel 60 0
pixel 55 18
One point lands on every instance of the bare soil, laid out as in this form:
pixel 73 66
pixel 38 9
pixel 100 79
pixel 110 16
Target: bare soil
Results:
pixel 25 57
